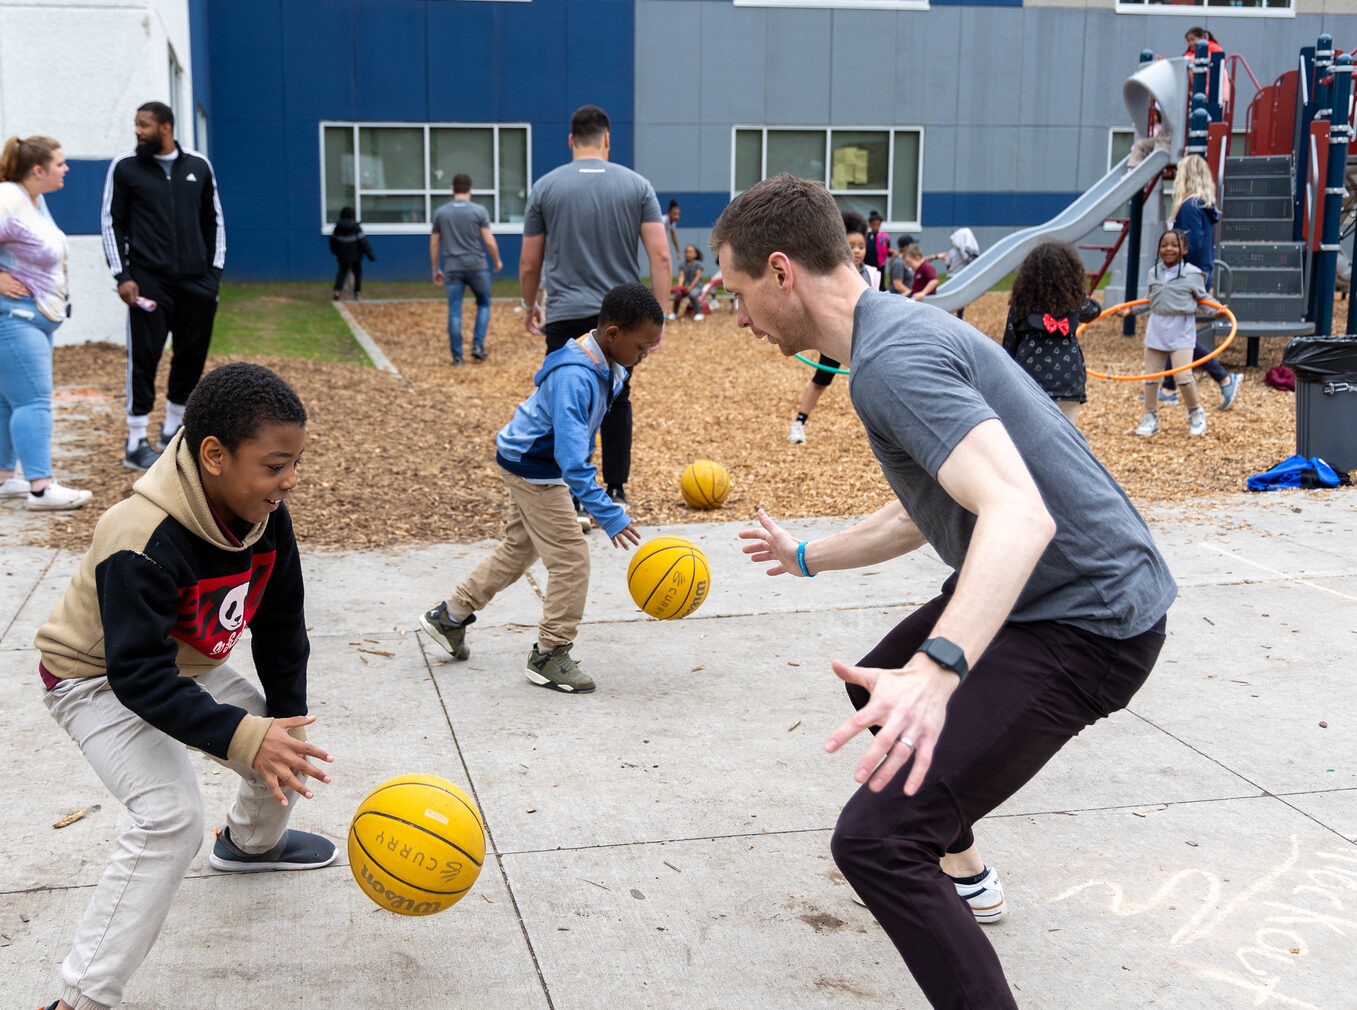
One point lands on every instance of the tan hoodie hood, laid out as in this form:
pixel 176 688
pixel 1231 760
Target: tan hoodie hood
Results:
pixel 174 486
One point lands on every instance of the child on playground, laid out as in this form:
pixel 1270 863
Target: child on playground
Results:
pixel 925 277
pixel 349 244
pixel 689 286
pixel 1175 287
pixel 1048 302
pixel 134 663
pixel 543 455
pixel 856 229
pixel 901 276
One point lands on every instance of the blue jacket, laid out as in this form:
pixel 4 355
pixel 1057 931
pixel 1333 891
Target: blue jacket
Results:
pixel 551 435
pixel 1199 222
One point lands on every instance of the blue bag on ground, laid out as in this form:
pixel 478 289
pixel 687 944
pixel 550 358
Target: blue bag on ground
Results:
pixel 1297 471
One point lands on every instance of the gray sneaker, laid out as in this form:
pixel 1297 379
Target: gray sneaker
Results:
pixel 556 670
pixel 1149 425
pixel 450 634
pixel 1196 421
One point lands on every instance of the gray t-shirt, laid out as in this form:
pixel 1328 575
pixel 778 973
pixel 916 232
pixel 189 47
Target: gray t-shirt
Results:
pixel 921 380
pixel 458 224
pixel 591 212
pixel 900 271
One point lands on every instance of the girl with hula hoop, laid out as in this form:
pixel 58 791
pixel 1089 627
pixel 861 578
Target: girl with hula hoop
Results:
pixel 856 227
pixel 1175 288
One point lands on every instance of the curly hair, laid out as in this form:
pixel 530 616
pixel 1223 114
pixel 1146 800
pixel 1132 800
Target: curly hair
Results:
pixel 628 307
pixel 1050 279
pixel 854 223
pixel 234 401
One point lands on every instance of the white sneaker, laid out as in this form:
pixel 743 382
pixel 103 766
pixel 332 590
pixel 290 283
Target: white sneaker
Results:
pixel 15 487
pixel 698 317
pixel 1149 425
pixel 671 317
pixel 56 498
pixel 1196 421
pixel 797 436
pixel 986 898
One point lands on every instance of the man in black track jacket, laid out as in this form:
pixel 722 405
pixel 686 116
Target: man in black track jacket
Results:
pixel 166 245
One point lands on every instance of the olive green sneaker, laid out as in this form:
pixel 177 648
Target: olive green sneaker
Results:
pixel 556 670
pixel 450 634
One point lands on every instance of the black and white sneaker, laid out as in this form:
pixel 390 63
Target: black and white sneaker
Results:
pixel 450 634
pixel 163 442
pixel 586 523
pixel 296 850
pixel 143 457
pixel 617 493
pixel 985 896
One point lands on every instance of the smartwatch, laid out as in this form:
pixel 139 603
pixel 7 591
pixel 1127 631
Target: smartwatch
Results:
pixel 946 654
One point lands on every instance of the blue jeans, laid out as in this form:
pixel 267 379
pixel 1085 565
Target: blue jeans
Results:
pixel 457 281
pixel 25 387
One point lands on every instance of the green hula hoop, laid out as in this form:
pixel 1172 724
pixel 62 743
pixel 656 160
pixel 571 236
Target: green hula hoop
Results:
pixel 823 368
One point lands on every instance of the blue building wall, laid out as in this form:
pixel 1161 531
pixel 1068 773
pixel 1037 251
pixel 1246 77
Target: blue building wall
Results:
pixel 279 67
pixel 1016 103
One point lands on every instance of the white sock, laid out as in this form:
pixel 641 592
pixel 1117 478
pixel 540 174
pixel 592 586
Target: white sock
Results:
pixel 174 416
pixel 136 429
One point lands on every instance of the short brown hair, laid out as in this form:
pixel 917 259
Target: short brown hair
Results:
pixel 912 252
pixel 461 183
pixel 783 214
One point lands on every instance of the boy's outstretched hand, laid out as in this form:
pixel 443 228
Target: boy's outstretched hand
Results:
pixel 627 537
pixel 282 758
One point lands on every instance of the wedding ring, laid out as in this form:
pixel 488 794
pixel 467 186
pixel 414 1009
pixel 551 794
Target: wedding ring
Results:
pixel 906 741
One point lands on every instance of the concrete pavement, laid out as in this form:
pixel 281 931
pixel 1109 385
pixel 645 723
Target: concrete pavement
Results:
pixel 663 843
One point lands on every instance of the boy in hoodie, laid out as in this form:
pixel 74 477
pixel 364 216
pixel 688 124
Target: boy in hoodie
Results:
pixel 133 660
pixel 543 454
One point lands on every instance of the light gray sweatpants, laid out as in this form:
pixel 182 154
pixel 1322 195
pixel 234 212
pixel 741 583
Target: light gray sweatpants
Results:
pixel 152 775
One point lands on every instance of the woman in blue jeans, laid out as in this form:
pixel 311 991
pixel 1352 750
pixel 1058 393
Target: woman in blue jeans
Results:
pixel 32 305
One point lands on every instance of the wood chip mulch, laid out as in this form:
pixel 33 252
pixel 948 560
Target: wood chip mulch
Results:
pixel 410 459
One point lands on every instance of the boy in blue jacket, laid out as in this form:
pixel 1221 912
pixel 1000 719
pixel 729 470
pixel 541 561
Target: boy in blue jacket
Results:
pixel 543 454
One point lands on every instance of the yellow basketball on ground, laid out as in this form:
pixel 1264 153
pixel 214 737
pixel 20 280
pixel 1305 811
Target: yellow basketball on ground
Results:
pixel 705 484
pixel 416 844
pixel 668 577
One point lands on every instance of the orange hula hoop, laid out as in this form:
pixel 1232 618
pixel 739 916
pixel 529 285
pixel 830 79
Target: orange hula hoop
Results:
pixel 1234 328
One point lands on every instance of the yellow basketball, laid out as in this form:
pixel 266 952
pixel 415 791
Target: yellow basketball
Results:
pixel 668 577
pixel 416 845
pixel 705 484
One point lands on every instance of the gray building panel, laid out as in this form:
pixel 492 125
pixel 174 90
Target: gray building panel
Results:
pixel 728 49
pixel 668 78
pixel 986 161
pixel 1049 158
pixel 926 72
pixel 861 60
pixel 1051 75
pixel 671 153
pixel 714 158
pixel 940 157
pixel 990 61
pixel 799 58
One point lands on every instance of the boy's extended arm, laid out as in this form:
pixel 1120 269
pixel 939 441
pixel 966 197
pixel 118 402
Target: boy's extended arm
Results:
pixel 138 604
pixel 278 639
pixel 570 390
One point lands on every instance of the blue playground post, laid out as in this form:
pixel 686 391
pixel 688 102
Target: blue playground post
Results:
pixel 1199 126
pixel 1201 68
pixel 1133 227
pixel 1326 263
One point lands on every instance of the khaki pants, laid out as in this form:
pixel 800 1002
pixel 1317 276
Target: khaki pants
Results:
pixel 1187 382
pixel 541 523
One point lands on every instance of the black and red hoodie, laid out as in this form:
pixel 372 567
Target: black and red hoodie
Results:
pixel 163 595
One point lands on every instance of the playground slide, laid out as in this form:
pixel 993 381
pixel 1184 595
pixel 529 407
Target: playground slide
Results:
pixel 1070 225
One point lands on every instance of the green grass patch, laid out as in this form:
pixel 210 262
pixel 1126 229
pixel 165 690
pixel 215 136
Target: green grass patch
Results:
pixel 283 320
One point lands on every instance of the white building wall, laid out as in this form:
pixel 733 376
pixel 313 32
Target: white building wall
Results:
pixel 76 70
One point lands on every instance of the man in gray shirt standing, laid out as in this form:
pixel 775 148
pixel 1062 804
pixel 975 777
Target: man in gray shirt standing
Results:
pixel 460 229
pixel 583 222
pixel 1052 618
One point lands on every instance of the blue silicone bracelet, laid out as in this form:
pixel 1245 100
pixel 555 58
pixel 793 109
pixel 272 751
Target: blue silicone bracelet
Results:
pixel 801 558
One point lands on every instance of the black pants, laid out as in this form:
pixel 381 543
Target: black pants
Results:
pixel 184 309
pixel 344 270
pixel 616 430
pixel 1034 689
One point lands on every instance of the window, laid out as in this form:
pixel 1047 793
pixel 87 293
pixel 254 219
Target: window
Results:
pixel 866 168
pixel 200 131
pixel 176 85
pixel 395 175
pixel 1220 8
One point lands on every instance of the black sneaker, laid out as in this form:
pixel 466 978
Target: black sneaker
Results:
pixel 617 494
pixel 296 850
pixel 143 457
pixel 479 354
pixel 558 670
pixel 456 360
pixel 450 634
pixel 163 442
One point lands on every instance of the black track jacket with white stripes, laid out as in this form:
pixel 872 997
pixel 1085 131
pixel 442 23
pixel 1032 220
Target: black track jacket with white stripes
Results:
pixel 170 228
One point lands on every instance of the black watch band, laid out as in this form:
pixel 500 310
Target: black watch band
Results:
pixel 947 654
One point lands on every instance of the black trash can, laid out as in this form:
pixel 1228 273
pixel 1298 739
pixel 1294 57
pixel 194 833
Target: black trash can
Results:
pixel 1326 397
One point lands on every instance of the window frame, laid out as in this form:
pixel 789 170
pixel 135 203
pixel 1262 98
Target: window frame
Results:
pixel 1199 8
pixel 175 73
pixel 428 191
pixel 891 223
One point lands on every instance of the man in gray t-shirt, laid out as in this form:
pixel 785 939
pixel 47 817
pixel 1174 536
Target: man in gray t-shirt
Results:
pixel 1054 614
pixel 461 237
pixel 583 223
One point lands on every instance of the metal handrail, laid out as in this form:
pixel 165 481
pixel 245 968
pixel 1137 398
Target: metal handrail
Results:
pixel 1239 58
